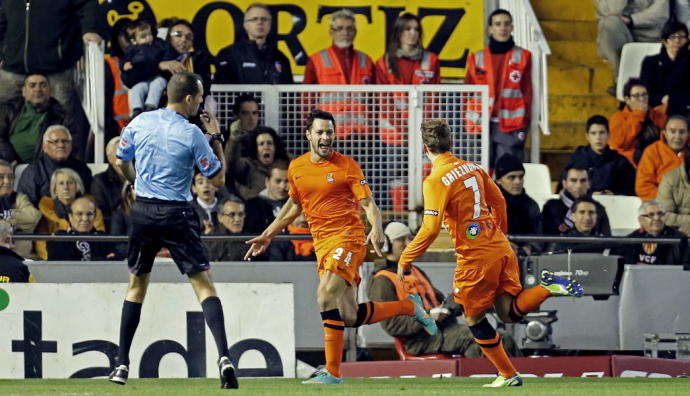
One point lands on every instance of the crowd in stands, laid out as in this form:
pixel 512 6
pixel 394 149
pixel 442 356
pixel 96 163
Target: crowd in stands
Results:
pixel 641 151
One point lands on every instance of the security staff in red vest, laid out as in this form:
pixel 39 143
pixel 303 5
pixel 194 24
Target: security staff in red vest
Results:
pixel 342 64
pixel 506 69
pixel 453 337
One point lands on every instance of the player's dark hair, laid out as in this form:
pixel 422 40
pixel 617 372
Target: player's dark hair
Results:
pixel 321 115
pixel 597 119
pixel 181 85
pixel 499 11
pixel 252 150
pixel 237 106
pixel 436 135
pixel 633 82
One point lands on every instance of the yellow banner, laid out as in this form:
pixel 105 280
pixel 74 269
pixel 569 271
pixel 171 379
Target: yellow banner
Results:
pixel 452 28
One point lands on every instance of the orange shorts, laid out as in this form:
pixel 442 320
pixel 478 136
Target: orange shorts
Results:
pixel 341 257
pixel 476 287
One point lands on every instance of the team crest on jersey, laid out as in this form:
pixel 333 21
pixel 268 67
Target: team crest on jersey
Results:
pixel 329 178
pixel 515 76
pixel 649 248
pixel 472 231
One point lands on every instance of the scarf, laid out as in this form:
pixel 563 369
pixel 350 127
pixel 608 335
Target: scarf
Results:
pixel 413 54
pixel 568 202
pixel 498 47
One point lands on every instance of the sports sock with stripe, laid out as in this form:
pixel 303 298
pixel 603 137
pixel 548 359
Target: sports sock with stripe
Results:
pixel 372 312
pixel 527 301
pixel 490 343
pixel 333 340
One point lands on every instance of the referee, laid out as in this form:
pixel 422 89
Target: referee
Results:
pixel 166 146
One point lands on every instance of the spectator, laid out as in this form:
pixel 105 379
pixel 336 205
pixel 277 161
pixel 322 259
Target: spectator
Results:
pixel 121 223
pixel 16 209
pixel 257 59
pixel 666 74
pixel 661 156
pixel 82 215
pixel 524 216
pixel 207 201
pixel 43 38
pixel 12 267
pixel 65 187
pixel 585 223
pixel 557 215
pixel 231 222
pixel 609 172
pixel 116 102
pixel 250 169
pixel 405 62
pixel 651 217
pixel 674 195
pixel 637 125
pixel 106 186
pixel 453 337
pixel 246 112
pixel 263 209
pixel 24 119
pixel 622 22
pixel 180 55
pixel 506 69
pixel 140 70
pixel 56 152
pixel 295 249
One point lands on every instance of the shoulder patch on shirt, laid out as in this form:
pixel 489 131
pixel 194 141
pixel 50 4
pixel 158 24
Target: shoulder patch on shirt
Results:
pixel 472 231
pixel 430 212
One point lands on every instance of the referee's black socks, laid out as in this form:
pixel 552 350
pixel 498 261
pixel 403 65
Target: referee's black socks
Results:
pixel 131 312
pixel 213 313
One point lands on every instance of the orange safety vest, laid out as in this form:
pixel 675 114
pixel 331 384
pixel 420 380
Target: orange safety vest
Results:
pixel 348 108
pixel 512 109
pixel 393 115
pixel 416 282
pixel 302 247
pixel 120 101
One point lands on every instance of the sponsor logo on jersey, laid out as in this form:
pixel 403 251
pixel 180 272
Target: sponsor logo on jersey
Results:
pixel 329 178
pixel 430 212
pixel 472 231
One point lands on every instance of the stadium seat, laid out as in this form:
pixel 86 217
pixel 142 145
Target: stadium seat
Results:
pixel 18 170
pixel 622 212
pixel 97 168
pixel 403 355
pixel 631 63
pixel 537 180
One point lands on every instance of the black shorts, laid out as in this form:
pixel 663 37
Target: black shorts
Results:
pixel 174 225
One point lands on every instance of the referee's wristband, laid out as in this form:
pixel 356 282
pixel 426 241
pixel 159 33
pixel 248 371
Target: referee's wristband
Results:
pixel 215 136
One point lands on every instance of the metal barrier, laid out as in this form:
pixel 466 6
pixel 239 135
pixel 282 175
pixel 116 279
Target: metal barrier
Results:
pixel 91 79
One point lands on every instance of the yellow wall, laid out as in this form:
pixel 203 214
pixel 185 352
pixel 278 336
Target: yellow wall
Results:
pixel 458 31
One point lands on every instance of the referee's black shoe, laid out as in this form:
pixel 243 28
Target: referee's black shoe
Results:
pixel 228 378
pixel 119 375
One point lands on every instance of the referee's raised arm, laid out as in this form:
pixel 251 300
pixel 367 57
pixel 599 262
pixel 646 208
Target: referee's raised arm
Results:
pixel 210 124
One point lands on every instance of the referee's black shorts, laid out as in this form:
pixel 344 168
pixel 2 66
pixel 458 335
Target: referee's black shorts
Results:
pixel 171 224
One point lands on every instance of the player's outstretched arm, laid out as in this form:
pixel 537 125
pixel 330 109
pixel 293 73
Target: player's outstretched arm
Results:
pixel 287 215
pixel 127 169
pixel 374 217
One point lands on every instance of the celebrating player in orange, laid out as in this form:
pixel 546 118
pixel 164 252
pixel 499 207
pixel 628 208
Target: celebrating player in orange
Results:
pixel 461 194
pixel 328 187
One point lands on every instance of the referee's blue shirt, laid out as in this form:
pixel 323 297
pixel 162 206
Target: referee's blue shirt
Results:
pixel 166 147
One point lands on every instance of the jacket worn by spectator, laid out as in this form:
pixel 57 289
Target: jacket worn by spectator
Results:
pixel 563 247
pixel 658 254
pixel 106 188
pixel 674 196
pixel 78 250
pixel 145 59
pixel 12 267
pixel 664 76
pixel 35 181
pixel 120 224
pixel 607 171
pixel 226 250
pixel 557 217
pixel 52 40
pixel 55 114
pixel 245 63
pixel 201 62
pixel 261 211
pixel 23 215
pixel 524 216
pixel 656 160
pixel 632 131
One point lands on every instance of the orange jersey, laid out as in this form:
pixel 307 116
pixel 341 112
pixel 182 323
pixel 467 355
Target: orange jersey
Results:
pixel 329 192
pixel 461 194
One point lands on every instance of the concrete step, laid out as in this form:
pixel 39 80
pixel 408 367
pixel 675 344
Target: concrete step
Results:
pixel 581 52
pixel 566 77
pixel 565 135
pixel 580 107
pixel 569 30
pixel 565 10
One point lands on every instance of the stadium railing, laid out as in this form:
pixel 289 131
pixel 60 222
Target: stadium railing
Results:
pixel 91 87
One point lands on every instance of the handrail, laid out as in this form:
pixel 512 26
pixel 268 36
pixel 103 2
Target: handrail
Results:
pixel 93 98
pixel 528 34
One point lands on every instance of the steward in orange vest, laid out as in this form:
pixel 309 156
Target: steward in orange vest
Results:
pixel 339 65
pixel 120 101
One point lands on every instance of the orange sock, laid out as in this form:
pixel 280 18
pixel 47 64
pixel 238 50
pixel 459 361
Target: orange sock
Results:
pixel 373 312
pixel 333 340
pixel 493 350
pixel 529 300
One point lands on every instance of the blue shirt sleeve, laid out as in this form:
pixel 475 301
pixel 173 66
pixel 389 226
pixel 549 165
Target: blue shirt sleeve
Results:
pixel 204 157
pixel 125 150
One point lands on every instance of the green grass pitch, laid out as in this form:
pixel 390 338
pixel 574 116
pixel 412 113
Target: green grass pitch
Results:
pixel 359 387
